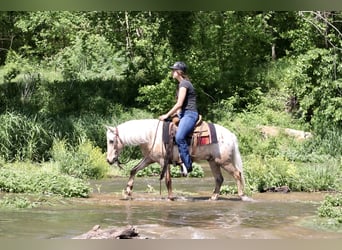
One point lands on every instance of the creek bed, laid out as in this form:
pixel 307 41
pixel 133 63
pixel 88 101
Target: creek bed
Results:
pixel 190 216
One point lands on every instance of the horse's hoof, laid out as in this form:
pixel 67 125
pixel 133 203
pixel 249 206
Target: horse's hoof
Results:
pixel 246 198
pixel 126 195
pixel 171 198
pixel 214 197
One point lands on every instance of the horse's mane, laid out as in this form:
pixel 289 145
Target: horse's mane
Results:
pixel 136 132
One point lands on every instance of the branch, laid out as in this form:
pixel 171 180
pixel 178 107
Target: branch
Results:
pixel 11 38
pixel 319 29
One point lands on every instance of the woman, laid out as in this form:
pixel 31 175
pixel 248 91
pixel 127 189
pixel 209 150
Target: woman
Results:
pixel 186 109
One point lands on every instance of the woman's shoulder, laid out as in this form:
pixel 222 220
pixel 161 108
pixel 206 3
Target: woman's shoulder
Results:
pixel 185 83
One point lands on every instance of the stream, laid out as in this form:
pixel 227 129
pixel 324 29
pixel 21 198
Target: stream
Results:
pixel 190 216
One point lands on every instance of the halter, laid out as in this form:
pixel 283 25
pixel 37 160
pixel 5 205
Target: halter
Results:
pixel 116 140
pixel 117 136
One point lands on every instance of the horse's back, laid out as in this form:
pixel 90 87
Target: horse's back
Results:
pixel 224 134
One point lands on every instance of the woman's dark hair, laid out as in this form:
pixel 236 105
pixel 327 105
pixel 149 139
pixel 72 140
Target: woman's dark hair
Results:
pixel 183 74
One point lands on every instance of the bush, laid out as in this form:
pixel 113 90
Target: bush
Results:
pixel 24 137
pixel 331 207
pixel 85 161
pixel 319 176
pixel 278 171
pixel 197 171
pixel 227 190
pixel 15 202
pixel 264 173
pixel 26 178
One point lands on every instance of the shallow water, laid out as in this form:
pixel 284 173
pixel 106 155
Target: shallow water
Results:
pixel 190 216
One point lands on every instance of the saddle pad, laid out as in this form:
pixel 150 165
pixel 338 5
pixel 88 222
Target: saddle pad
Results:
pixel 213 134
pixel 166 134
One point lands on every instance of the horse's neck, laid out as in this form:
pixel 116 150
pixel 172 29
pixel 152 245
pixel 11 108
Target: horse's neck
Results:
pixel 137 132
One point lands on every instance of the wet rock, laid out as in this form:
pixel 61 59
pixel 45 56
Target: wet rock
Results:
pixel 110 233
pixel 282 189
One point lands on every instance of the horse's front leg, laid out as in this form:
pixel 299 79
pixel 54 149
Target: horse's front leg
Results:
pixel 142 164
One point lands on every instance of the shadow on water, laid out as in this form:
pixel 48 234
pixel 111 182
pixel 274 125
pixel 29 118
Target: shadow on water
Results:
pixel 190 216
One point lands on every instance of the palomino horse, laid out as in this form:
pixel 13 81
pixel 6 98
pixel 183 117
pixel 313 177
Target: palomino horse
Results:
pixel 148 135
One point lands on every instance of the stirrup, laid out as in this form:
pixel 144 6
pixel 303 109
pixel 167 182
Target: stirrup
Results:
pixel 177 163
pixel 184 170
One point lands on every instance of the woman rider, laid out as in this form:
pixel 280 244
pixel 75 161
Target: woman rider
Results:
pixel 186 109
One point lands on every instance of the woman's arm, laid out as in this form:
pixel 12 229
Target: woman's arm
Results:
pixel 181 97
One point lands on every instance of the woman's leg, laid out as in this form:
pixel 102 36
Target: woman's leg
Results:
pixel 185 127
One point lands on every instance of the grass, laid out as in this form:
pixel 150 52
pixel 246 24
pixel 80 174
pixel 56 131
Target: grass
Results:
pixel 24 177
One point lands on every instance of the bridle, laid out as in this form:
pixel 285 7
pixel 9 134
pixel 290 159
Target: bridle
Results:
pixel 115 143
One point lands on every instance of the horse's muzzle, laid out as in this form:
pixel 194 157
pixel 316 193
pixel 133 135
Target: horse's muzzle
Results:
pixel 114 161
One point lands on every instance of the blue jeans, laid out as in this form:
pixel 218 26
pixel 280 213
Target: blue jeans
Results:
pixel 186 125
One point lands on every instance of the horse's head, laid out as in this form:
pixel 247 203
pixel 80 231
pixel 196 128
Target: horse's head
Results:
pixel 114 145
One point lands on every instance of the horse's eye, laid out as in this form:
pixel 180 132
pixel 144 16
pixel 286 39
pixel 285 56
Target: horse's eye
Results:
pixel 111 141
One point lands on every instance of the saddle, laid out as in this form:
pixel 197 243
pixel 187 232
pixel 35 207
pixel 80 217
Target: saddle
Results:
pixel 204 133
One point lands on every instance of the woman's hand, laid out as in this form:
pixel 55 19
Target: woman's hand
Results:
pixel 163 117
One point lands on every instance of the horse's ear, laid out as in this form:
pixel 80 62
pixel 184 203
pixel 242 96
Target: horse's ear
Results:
pixel 108 127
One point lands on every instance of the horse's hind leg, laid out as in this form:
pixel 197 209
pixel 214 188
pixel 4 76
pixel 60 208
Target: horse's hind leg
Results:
pixel 216 171
pixel 142 164
pixel 237 175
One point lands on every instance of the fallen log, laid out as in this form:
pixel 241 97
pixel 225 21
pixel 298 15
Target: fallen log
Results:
pixel 110 233
pixel 272 131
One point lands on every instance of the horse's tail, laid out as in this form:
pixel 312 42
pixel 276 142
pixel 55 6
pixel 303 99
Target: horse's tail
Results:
pixel 237 159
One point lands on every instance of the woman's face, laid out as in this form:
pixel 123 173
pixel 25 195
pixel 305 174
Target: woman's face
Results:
pixel 174 74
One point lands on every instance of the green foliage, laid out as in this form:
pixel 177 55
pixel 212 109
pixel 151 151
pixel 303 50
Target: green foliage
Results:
pixel 15 202
pixel 222 67
pixel 226 190
pixel 90 57
pixel 49 31
pixel 23 137
pixel 85 162
pixel 160 97
pixel 278 171
pixel 152 170
pixel 331 208
pixel 197 171
pixel 247 127
pixel 26 178
pixel 274 172
pixel 314 79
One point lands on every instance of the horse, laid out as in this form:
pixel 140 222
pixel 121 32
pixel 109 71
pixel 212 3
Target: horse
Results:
pixel 147 134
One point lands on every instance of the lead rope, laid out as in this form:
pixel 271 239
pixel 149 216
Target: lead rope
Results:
pixel 168 154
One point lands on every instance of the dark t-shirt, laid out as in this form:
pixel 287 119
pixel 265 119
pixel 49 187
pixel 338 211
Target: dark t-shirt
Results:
pixel 190 98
